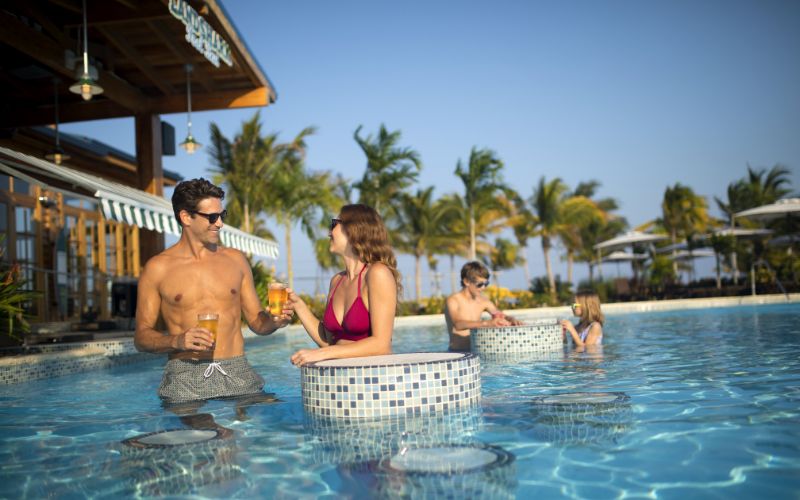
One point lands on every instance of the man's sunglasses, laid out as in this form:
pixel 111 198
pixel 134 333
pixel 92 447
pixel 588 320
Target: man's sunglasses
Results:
pixel 481 284
pixel 335 222
pixel 212 218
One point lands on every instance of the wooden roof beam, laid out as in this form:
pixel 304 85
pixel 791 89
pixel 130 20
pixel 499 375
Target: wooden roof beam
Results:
pixel 43 49
pixel 138 60
pixel 184 53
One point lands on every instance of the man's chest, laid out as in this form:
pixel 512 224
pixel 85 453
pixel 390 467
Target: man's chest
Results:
pixel 187 286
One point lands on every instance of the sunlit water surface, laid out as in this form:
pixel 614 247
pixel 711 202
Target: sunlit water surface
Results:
pixel 704 403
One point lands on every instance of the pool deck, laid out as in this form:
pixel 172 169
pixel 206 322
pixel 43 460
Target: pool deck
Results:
pixel 56 360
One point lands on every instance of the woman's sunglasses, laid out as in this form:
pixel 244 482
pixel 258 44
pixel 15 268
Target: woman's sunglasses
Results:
pixel 212 218
pixel 575 305
pixel 335 222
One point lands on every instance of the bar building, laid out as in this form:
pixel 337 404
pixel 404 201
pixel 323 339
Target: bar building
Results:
pixel 79 216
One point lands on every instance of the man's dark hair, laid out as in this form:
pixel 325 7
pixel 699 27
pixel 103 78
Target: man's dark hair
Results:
pixel 473 270
pixel 189 193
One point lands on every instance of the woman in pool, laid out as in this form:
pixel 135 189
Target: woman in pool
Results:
pixel 589 331
pixel 362 299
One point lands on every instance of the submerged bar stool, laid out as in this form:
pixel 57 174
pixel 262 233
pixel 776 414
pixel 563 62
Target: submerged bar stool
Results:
pixel 395 384
pixel 582 417
pixel 538 336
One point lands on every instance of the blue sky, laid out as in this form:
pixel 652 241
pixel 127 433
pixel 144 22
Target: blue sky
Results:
pixel 637 95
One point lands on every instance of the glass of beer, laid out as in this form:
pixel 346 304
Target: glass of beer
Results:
pixel 209 322
pixel 278 295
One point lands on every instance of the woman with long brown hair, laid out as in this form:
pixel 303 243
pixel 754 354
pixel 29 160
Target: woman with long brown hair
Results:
pixel 362 299
pixel 589 331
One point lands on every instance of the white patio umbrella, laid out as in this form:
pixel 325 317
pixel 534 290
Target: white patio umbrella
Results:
pixel 787 207
pixel 629 238
pixel 692 255
pixel 624 240
pixel 739 233
pixel 620 256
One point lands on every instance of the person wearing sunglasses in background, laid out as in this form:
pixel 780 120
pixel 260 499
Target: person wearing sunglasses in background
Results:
pixel 362 299
pixel 463 309
pixel 589 330
pixel 198 276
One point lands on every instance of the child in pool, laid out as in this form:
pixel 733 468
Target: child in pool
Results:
pixel 589 331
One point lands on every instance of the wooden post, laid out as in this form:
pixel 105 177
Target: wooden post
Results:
pixel 100 281
pixel 151 175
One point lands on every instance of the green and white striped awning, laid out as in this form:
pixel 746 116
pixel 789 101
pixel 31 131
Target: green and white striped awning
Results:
pixel 119 202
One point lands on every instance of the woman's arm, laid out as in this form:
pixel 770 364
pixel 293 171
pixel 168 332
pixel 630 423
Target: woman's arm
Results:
pixel 381 303
pixel 313 326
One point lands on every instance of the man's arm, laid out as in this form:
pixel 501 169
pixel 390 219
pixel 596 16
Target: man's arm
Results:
pixel 461 319
pixel 148 306
pixel 259 320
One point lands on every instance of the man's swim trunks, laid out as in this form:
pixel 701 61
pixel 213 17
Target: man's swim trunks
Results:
pixel 189 380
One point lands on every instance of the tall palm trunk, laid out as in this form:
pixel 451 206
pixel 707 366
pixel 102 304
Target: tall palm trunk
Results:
pixel 418 276
pixel 570 260
pixel 675 254
pixel 288 227
pixel 246 207
pixel 591 272
pixel 452 273
pixel 472 250
pixel 525 266
pixel 719 279
pixel 551 281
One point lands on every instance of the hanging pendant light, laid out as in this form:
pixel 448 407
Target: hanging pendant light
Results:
pixel 189 144
pixel 86 86
pixel 57 155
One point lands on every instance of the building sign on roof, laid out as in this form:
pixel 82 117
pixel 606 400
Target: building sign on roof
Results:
pixel 200 34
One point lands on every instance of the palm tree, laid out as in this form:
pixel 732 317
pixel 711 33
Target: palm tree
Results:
pixel 455 241
pixel 503 255
pixel 420 226
pixel 482 182
pixel 390 170
pixel 238 164
pixel 297 195
pixel 604 226
pixel 546 204
pixel 683 213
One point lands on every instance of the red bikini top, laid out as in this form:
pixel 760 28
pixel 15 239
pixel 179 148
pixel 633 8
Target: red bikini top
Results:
pixel 355 323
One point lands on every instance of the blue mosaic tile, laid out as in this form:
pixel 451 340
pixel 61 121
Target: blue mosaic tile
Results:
pixel 398 384
pixel 537 336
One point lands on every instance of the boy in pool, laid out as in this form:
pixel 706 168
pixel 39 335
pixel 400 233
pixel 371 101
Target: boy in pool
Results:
pixel 463 309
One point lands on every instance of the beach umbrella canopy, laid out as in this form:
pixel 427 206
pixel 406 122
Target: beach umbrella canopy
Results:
pixel 629 238
pixel 787 207
pixel 694 254
pixel 738 232
pixel 620 256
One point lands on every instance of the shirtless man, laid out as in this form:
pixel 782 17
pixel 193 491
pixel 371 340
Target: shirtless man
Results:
pixel 196 276
pixel 463 309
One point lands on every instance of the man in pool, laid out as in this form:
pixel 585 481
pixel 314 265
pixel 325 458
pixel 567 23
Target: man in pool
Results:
pixel 197 276
pixel 463 309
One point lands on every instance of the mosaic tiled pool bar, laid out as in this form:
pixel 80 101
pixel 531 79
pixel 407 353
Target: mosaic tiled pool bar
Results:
pixel 538 336
pixel 395 384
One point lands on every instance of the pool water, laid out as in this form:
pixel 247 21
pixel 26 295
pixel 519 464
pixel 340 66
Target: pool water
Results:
pixel 701 403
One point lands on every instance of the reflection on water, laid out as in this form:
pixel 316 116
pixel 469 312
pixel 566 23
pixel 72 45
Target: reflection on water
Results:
pixel 427 456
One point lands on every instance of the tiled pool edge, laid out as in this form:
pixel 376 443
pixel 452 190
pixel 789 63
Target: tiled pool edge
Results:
pixel 67 359
pixel 625 307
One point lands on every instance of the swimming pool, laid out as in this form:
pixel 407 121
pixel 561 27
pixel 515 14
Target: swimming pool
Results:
pixel 703 403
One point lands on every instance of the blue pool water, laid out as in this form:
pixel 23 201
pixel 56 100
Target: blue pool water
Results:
pixel 709 407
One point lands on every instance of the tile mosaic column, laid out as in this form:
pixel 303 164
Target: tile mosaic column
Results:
pixel 395 384
pixel 535 336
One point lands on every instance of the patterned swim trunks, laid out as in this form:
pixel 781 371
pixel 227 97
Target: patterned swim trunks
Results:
pixel 189 380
